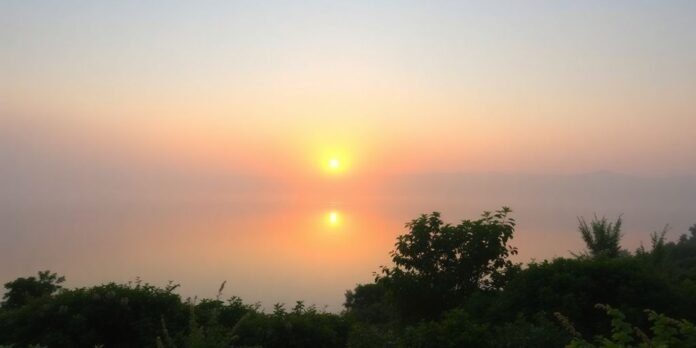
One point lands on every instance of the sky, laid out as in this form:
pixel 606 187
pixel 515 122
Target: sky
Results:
pixel 111 111
pixel 403 86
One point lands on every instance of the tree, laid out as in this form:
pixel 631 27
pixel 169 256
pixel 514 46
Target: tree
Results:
pixel 22 290
pixel 601 236
pixel 367 304
pixel 436 265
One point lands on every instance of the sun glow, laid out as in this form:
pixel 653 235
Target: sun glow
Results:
pixel 334 164
pixel 333 218
pixel 334 160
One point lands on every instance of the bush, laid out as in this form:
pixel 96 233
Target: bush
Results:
pixel 665 332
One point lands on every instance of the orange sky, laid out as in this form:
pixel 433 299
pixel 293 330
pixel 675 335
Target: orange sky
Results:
pixel 410 88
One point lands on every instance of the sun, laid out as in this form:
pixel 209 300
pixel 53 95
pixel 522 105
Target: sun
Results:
pixel 334 164
pixel 333 218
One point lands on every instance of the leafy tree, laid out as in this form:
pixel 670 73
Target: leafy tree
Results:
pixel 436 265
pixel 368 303
pixel 601 236
pixel 22 290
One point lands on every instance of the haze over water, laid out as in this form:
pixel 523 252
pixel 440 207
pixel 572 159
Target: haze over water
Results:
pixel 194 143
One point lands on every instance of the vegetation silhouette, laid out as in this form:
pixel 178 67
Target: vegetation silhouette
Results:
pixel 449 285
pixel 437 265
pixel 22 290
pixel 601 236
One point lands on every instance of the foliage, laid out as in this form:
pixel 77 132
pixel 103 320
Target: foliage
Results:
pixel 456 329
pixel 601 236
pixel 301 326
pixel 537 330
pixel 436 265
pixel 369 303
pixel 22 290
pixel 371 336
pixel 142 315
pixel 666 332
pixel 573 286
pixel 122 315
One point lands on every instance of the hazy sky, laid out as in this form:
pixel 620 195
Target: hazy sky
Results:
pixel 264 87
pixel 148 136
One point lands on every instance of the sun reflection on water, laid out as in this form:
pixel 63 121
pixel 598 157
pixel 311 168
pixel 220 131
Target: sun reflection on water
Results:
pixel 333 218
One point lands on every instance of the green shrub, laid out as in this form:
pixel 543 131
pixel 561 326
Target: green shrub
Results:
pixel 664 332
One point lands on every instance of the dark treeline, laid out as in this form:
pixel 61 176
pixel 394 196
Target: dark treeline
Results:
pixel 448 286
